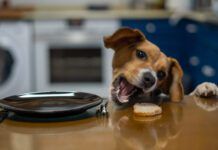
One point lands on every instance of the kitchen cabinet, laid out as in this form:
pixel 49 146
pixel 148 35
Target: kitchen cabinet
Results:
pixel 202 51
pixel 192 43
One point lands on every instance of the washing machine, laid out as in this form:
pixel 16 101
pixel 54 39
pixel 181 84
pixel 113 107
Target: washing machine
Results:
pixel 15 58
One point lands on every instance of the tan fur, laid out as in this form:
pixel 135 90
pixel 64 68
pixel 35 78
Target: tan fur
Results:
pixel 173 84
pixel 125 42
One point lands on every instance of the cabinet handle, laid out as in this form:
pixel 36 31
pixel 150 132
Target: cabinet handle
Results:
pixel 194 61
pixel 191 28
pixel 150 28
pixel 208 71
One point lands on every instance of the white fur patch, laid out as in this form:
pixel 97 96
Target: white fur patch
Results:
pixel 140 78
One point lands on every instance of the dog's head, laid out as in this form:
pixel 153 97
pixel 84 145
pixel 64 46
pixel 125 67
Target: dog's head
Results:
pixel 140 66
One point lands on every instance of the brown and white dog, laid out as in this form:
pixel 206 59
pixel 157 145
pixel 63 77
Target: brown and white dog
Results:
pixel 140 68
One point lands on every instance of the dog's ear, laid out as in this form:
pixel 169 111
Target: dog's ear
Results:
pixel 173 84
pixel 123 36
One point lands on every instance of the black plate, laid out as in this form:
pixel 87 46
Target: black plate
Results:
pixel 50 103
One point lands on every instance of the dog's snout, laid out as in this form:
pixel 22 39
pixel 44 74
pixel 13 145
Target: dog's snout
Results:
pixel 149 80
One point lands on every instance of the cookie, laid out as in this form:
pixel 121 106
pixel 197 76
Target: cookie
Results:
pixel 146 109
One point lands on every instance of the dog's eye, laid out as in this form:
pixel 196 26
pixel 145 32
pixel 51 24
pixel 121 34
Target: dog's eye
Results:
pixel 141 55
pixel 161 75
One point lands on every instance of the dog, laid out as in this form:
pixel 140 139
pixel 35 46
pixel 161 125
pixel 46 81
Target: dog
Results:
pixel 141 68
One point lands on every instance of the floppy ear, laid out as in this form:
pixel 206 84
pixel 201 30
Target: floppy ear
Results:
pixel 173 85
pixel 123 36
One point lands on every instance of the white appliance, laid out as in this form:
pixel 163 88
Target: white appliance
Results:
pixel 15 53
pixel 70 55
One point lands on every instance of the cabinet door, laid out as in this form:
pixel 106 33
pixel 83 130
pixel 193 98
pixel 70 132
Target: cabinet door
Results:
pixel 203 58
pixel 208 51
pixel 191 57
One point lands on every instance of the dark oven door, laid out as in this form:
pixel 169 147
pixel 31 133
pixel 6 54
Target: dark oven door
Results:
pixel 73 63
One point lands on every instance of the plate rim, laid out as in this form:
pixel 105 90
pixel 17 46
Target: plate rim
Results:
pixel 45 112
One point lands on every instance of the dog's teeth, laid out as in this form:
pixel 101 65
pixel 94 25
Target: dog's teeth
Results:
pixel 145 91
pixel 123 99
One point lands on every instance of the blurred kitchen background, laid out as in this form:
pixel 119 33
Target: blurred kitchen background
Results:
pixel 52 45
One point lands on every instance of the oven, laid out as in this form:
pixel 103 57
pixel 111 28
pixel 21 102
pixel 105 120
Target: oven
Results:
pixel 70 56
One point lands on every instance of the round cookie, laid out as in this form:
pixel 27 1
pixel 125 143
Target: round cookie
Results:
pixel 146 109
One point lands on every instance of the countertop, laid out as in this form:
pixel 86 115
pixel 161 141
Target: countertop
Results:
pixel 115 13
pixel 191 124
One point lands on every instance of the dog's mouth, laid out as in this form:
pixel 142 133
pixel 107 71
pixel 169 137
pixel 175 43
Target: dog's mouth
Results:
pixel 123 90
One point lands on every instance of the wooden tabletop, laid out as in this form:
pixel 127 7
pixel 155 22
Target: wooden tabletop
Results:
pixel 191 124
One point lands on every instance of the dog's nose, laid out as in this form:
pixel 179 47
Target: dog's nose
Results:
pixel 149 80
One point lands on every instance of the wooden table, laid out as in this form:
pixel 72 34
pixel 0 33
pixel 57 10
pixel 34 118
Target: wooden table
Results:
pixel 191 124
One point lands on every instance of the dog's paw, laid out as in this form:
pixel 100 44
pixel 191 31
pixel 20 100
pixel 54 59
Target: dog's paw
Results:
pixel 206 89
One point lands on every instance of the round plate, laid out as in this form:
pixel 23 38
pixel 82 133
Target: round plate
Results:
pixel 50 103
